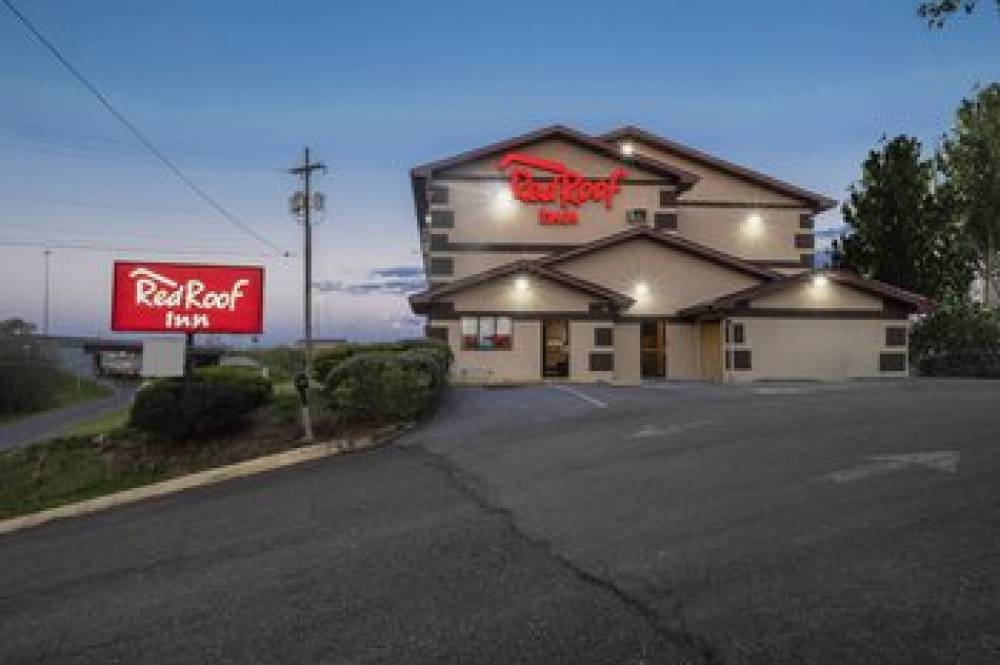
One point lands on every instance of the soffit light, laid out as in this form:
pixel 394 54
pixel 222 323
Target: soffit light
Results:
pixel 820 280
pixel 521 283
pixel 628 148
pixel 642 290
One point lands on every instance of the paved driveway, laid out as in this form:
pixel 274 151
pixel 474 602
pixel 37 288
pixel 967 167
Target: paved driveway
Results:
pixel 670 523
pixel 52 423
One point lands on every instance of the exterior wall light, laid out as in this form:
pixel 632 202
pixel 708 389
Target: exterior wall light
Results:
pixel 755 223
pixel 820 280
pixel 521 284
pixel 641 290
pixel 628 148
pixel 503 198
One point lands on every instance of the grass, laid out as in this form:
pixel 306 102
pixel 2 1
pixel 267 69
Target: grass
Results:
pixel 102 424
pixel 75 468
pixel 71 390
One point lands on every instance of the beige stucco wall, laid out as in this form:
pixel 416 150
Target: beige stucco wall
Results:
pixel 673 279
pixel 470 263
pixel 523 362
pixel 627 362
pixel 581 344
pixel 828 295
pixel 714 185
pixel 730 230
pixel 503 295
pixel 825 349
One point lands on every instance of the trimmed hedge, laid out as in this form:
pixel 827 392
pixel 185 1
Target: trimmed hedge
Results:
pixel 387 382
pixel 326 360
pixel 212 403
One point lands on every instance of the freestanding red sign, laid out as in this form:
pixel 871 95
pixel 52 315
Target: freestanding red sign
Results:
pixel 187 298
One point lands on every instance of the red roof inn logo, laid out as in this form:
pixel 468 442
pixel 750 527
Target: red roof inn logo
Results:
pixel 566 188
pixel 181 297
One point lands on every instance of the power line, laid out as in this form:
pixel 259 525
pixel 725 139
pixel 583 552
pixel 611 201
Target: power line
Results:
pixel 90 247
pixel 139 136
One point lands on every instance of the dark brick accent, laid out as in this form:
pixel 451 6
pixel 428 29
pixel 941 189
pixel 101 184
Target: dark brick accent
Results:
pixel 442 265
pixel 602 362
pixel 892 362
pixel 895 336
pixel 438 194
pixel 665 221
pixel 439 242
pixel 805 241
pixel 442 219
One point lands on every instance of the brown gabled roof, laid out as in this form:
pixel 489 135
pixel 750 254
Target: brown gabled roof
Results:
pixel 684 178
pixel 671 240
pixel 817 201
pixel 736 299
pixel 418 301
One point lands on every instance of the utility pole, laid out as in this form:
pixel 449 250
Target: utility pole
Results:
pixel 45 299
pixel 302 205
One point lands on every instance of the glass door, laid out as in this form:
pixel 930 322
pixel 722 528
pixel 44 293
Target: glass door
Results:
pixel 555 348
pixel 653 349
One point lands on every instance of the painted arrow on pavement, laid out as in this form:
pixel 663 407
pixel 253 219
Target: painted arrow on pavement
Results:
pixel 942 460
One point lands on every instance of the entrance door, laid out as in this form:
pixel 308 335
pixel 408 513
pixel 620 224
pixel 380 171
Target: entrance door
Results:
pixel 555 348
pixel 653 349
pixel 711 350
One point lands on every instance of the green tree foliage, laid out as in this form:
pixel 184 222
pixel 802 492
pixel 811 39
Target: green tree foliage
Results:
pixel 938 11
pixel 28 378
pixel 901 226
pixel 957 339
pixel 970 158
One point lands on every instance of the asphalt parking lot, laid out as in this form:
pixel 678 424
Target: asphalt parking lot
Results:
pixel 771 523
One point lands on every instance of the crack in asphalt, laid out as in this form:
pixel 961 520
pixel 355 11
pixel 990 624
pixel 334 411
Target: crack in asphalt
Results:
pixel 673 629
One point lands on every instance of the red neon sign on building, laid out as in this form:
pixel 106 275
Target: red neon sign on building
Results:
pixel 566 188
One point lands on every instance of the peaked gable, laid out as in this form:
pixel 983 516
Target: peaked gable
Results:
pixel 814 200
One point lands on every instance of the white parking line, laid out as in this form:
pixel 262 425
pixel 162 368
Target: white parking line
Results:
pixel 586 398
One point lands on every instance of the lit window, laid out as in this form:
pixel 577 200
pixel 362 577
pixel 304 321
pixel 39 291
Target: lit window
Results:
pixel 486 333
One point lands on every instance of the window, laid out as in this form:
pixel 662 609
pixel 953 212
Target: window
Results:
pixel 892 362
pixel 668 198
pixel 439 242
pixel 736 334
pixel 666 221
pixel 438 194
pixel 738 359
pixel 804 241
pixel 806 221
pixel 442 265
pixel 486 333
pixel 442 219
pixel 636 216
pixel 602 362
pixel 604 336
pixel 895 336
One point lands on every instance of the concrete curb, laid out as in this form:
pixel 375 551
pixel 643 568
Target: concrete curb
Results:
pixel 202 478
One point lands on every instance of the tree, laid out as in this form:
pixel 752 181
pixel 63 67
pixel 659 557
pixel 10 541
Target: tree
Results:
pixel 938 11
pixel 901 226
pixel 970 158
pixel 16 327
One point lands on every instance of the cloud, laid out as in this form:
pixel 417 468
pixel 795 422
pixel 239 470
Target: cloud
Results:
pixel 395 280
pixel 402 272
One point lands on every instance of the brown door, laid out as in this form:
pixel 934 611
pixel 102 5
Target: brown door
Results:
pixel 555 348
pixel 653 349
pixel 711 350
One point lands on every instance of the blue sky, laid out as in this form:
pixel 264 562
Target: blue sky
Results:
pixel 233 90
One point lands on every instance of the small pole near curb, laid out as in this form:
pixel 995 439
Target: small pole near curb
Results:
pixel 302 205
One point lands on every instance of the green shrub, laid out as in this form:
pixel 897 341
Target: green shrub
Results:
pixel 328 359
pixel 958 339
pixel 247 379
pixel 212 403
pixel 386 386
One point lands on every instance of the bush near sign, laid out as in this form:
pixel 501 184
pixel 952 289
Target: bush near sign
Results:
pixel 187 298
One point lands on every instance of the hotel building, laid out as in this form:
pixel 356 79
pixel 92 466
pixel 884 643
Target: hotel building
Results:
pixel 627 256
